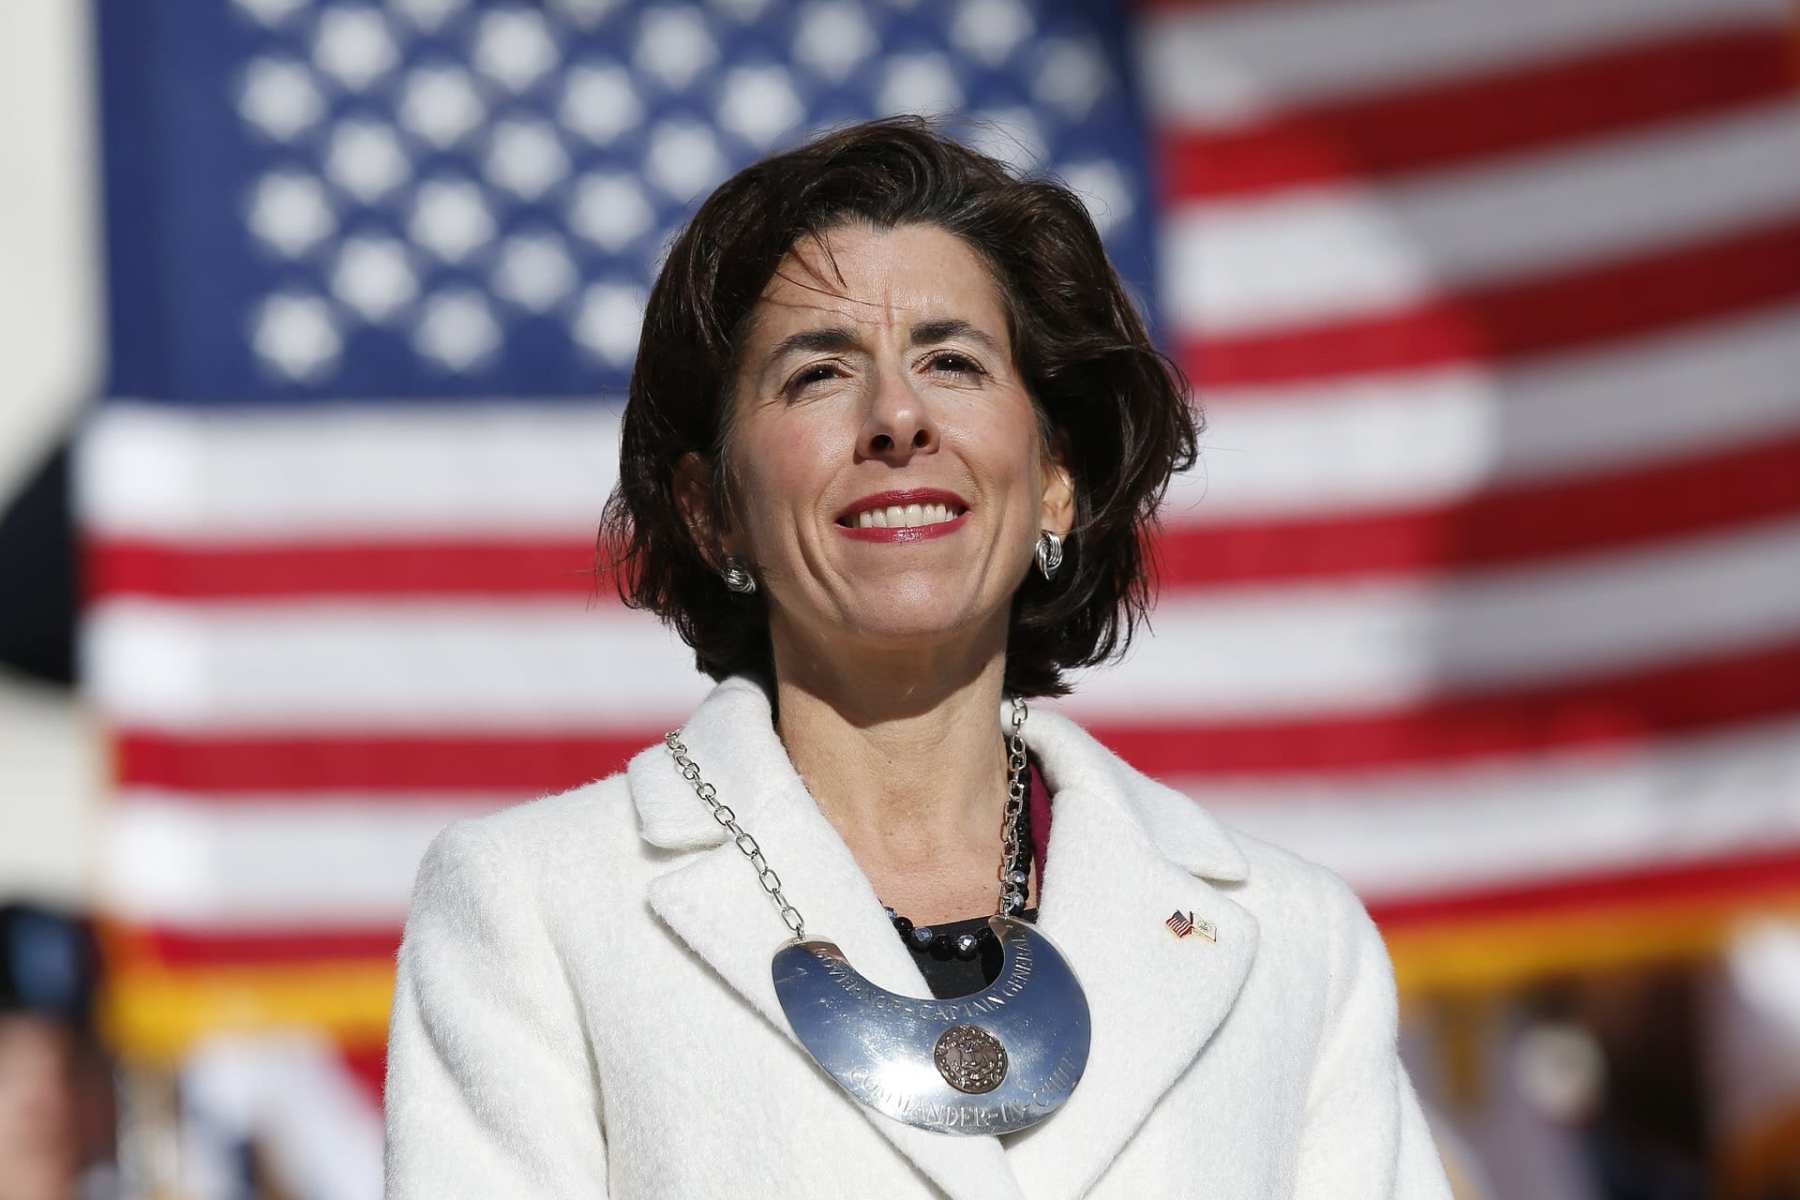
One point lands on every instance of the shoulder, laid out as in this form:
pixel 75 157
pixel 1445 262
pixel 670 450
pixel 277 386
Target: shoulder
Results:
pixel 552 825
pixel 1311 888
pixel 1310 913
pixel 567 849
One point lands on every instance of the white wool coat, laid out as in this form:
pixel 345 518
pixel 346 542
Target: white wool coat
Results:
pixel 584 1004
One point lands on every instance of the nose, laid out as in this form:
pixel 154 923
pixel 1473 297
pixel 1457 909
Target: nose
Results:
pixel 898 423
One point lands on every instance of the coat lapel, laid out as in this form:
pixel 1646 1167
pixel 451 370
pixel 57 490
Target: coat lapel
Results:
pixel 1124 854
pixel 713 902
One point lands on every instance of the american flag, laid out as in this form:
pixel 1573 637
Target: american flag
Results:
pixel 1486 592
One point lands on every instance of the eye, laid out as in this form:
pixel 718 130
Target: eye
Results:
pixel 806 376
pixel 956 362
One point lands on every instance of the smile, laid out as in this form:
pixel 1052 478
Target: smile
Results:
pixel 904 516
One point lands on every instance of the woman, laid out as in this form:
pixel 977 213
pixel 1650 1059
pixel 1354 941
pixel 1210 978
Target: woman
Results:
pixel 894 436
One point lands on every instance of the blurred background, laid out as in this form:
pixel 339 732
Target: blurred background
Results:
pixel 316 319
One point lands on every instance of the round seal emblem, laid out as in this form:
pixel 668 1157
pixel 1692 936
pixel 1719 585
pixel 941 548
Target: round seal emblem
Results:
pixel 970 1059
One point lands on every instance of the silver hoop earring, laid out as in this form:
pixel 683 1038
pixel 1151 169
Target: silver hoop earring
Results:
pixel 1049 553
pixel 737 576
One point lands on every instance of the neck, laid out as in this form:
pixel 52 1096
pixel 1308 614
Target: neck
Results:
pixel 905 756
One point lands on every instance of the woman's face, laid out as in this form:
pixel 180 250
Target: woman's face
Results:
pixel 891 475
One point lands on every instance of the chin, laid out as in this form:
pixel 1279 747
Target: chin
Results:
pixel 923 625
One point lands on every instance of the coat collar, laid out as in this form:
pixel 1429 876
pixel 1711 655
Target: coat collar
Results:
pixel 736 719
pixel 1125 853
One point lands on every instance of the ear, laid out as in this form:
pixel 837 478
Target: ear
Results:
pixel 1057 513
pixel 695 501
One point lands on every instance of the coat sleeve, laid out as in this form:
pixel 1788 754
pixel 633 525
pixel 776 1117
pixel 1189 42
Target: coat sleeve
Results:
pixel 491 1089
pixel 1364 1135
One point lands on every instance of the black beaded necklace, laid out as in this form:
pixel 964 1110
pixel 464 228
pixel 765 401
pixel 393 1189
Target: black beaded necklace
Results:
pixel 954 940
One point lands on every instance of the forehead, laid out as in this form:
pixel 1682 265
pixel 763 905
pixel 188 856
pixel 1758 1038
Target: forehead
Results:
pixel 863 276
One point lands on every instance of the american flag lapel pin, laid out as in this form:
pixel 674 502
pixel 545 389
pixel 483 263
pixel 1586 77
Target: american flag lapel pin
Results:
pixel 1183 923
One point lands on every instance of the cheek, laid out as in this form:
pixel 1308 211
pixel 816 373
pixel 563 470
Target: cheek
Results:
pixel 783 469
pixel 1008 453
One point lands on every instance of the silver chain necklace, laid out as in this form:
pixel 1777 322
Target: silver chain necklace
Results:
pixel 1005 1057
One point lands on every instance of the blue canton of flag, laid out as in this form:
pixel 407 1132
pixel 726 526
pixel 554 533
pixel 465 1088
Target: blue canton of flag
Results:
pixel 442 198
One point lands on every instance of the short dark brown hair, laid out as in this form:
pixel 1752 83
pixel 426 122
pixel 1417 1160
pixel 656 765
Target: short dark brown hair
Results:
pixel 1118 405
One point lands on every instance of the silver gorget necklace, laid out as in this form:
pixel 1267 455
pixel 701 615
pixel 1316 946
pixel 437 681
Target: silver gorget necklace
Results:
pixel 993 1061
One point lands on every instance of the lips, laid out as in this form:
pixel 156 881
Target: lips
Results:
pixel 910 515
pixel 909 508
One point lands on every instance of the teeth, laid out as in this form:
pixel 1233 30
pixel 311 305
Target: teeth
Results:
pixel 903 516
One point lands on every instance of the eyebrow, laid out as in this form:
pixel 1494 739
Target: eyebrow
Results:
pixel 839 338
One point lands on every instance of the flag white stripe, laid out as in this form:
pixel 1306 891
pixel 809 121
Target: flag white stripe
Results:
pixel 1291 650
pixel 1229 66
pixel 249 865
pixel 438 666
pixel 1403 833
pixel 1433 437
pixel 1321 253
pixel 363 470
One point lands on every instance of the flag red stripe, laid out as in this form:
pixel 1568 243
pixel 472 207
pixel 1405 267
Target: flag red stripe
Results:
pixel 368 1066
pixel 1442 123
pixel 343 567
pixel 1588 305
pixel 1505 525
pixel 512 764
pixel 1735 876
pixel 1627 708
